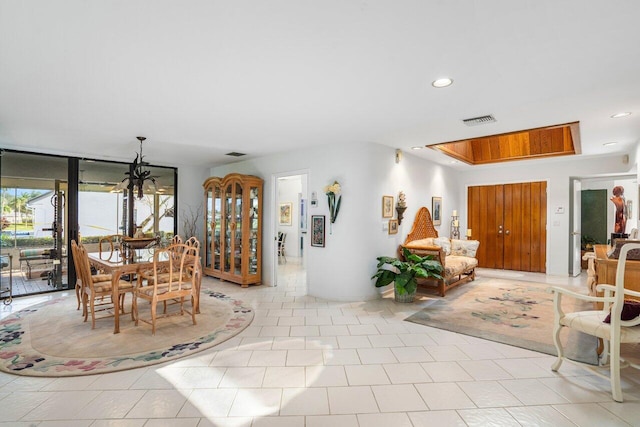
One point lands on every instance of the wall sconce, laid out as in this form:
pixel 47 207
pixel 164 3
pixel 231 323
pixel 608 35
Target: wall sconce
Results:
pixel 398 155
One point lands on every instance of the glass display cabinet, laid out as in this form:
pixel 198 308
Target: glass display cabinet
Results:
pixel 233 228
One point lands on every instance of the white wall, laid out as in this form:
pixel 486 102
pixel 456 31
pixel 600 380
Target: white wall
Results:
pixel 342 270
pixel 191 196
pixel 557 173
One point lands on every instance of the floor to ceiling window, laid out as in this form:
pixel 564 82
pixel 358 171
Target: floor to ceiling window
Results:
pixel 46 201
pixel 34 228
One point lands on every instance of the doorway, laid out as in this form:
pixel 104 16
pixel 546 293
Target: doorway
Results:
pixel 510 220
pixel 290 227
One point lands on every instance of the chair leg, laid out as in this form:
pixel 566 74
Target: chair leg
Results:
pixel 78 295
pixel 85 302
pixel 133 301
pixel 134 309
pixel 616 388
pixel 154 305
pixel 556 340
pixel 193 308
pixel 93 313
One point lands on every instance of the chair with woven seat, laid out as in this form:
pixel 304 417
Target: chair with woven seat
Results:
pixel 79 288
pixel 195 269
pixel 622 316
pixel 97 293
pixel 110 246
pixel 170 280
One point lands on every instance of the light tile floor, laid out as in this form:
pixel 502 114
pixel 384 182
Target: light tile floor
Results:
pixel 316 363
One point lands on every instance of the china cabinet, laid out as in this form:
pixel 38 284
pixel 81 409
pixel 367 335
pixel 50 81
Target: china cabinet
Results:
pixel 233 228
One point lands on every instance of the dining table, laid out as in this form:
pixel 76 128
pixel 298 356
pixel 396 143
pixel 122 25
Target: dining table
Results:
pixel 120 263
pixel 131 263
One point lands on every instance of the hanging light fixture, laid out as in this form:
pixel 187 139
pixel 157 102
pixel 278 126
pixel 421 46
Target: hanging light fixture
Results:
pixel 139 176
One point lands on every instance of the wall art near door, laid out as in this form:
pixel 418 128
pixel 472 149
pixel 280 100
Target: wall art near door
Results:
pixel 393 226
pixel 436 210
pixel 317 231
pixel 387 206
pixel 285 213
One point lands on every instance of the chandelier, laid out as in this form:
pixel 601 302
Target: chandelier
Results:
pixel 139 177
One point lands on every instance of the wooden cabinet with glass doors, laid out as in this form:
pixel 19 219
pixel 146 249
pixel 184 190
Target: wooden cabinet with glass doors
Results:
pixel 233 229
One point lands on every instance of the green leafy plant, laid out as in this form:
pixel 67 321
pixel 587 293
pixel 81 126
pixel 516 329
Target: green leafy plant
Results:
pixel 587 242
pixel 404 274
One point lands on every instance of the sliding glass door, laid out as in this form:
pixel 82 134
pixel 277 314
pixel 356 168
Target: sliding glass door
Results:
pixel 46 201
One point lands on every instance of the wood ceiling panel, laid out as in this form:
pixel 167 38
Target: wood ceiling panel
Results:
pixel 557 140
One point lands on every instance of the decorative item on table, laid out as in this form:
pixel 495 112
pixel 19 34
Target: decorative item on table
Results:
pixel 387 206
pixel 469 234
pixel 401 206
pixel 436 210
pixel 332 191
pixel 455 225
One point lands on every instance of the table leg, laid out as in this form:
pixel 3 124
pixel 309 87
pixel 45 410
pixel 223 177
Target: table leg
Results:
pixel 115 299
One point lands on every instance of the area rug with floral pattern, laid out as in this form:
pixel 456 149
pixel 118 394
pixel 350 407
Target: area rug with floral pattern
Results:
pixel 512 312
pixel 51 339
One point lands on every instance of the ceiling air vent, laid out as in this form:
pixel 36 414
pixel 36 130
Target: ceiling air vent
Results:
pixel 475 121
pixel 235 154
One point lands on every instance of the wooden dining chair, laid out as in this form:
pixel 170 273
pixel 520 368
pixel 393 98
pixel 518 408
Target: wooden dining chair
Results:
pixel 110 246
pixel 170 280
pixel 615 323
pixel 197 269
pixel 97 293
pixel 79 288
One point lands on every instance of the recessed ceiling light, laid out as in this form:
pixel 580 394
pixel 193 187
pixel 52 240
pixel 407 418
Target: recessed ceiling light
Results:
pixel 606 144
pixel 617 116
pixel 416 148
pixel 444 82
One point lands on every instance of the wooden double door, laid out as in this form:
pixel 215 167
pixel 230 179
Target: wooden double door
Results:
pixel 510 221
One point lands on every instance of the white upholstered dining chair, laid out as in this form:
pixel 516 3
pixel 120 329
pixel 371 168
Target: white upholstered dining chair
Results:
pixel 622 327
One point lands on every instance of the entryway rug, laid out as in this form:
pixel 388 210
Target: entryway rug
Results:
pixel 511 312
pixel 50 339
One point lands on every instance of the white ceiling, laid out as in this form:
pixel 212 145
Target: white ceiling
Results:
pixel 202 78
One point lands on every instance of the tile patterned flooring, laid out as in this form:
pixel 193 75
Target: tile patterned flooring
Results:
pixel 311 362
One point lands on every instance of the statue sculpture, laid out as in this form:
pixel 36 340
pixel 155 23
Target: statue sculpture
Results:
pixel 621 209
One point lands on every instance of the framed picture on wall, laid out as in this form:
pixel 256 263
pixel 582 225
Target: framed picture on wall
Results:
pixel 436 210
pixel 393 226
pixel 285 213
pixel 317 231
pixel 387 206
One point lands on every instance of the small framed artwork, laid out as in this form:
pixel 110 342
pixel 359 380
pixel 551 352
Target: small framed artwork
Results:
pixel 317 231
pixel 436 210
pixel 387 206
pixel 393 226
pixel 285 213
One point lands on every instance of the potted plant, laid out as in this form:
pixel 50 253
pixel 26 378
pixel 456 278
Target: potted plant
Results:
pixel 404 274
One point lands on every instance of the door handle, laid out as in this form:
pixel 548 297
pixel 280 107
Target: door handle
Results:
pixel 506 232
pixel 499 229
